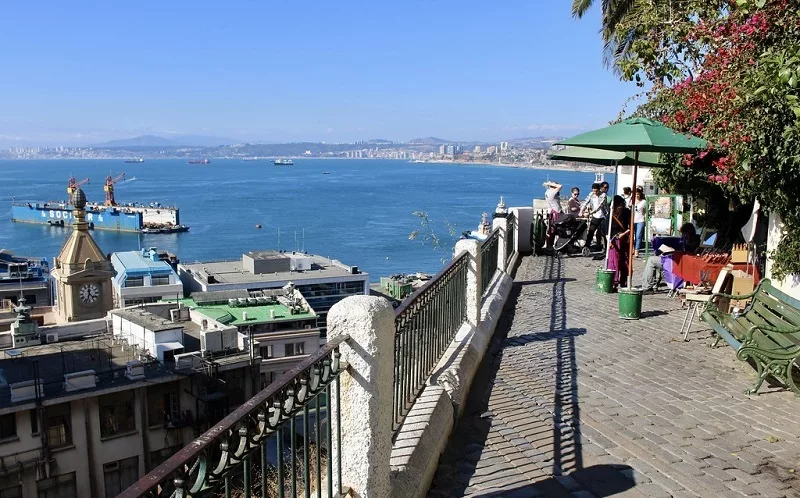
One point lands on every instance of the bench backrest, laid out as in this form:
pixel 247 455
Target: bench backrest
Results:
pixel 776 309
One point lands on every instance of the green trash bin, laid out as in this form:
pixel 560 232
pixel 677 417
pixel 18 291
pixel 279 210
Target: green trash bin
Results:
pixel 605 281
pixel 630 304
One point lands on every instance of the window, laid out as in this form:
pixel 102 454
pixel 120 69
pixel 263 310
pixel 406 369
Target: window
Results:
pixel 160 456
pixel 59 433
pixel 163 404
pixel 116 414
pixel 266 351
pixel 160 279
pixel 30 299
pixel 62 486
pixel 34 422
pixel 120 475
pixel 294 348
pixel 8 426
pixel 12 492
pixel 134 282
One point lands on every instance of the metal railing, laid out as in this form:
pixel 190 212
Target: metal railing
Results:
pixel 511 230
pixel 425 325
pixel 233 457
pixel 489 250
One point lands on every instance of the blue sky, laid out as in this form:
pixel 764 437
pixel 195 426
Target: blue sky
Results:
pixel 83 72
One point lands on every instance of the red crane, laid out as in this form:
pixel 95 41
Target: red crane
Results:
pixel 109 188
pixel 74 184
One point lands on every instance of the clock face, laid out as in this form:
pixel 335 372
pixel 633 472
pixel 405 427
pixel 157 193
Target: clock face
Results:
pixel 89 293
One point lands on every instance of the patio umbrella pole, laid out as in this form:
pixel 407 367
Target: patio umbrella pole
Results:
pixel 633 214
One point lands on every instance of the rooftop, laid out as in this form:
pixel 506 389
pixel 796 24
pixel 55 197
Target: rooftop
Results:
pixel 135 260
pixel 234 272
pixel 148 320
pixel 256 314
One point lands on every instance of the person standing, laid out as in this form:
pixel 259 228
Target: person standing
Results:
pixel 574 202
pixel 553 198
pixel 620 237
pixel 594 206
pixel 626 194
pixel 640 209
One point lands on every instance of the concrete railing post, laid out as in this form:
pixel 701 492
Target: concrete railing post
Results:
pixel 524 221
pixel 502 241
pixel 366 393
pixel 474 284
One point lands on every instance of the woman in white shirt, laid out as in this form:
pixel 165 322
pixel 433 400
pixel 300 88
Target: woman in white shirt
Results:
pixel 638 220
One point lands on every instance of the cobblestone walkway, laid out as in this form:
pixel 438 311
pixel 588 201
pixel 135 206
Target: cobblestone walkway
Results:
pixel 573 401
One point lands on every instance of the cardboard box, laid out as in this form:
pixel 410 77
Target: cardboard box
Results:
pixel 739 253
pixel 743 283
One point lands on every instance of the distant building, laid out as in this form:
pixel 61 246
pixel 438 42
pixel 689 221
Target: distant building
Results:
pixel 451 150
pixel 144 277
pixel 442 149
pixel 477 149
pixel 322 282
pixel 503 146
pixel 491 150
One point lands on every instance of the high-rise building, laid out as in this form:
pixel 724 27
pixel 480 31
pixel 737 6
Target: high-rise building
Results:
pixel 491 150
pixel 477 149
pixel 442 149
pixel 503 146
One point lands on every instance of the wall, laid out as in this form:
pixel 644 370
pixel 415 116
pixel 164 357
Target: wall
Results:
pixel 791 284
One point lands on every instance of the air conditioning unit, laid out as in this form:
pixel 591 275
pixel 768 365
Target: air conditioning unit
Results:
pixel 52 337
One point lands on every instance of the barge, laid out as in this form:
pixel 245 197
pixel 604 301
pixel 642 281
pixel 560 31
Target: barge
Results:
pixel 122 217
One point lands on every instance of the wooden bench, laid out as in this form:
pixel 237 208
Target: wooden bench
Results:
pixel 766 334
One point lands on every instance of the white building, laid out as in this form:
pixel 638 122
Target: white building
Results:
pixel 143 277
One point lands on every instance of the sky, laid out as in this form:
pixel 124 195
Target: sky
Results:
pixel 83 72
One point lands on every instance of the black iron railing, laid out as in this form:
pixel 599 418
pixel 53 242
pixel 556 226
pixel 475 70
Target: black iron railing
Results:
pixel 425 325
pixel 276 444
pixel 511 231
pixel 489 250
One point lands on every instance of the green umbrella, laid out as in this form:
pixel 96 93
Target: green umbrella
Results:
pixel 604 157
pixel 637 135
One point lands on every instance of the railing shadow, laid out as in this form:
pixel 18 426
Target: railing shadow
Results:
pixel 468 443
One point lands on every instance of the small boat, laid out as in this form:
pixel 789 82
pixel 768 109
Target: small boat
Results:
pixel 199 161
pixel 135 160
pixel 166 229
pixel 283 162
pixel 326 172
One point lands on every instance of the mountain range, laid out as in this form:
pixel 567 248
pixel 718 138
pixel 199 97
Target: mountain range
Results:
pixel 175 141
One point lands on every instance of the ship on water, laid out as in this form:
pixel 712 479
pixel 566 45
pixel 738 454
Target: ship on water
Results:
pixel 283 162
pixel 136 160
pixel 109 215
pixel 199 161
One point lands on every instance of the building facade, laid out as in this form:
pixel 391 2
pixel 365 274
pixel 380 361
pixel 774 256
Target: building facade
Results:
pixel 322 282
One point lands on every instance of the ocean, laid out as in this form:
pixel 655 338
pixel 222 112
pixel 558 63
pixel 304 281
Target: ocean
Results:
pixel 357 211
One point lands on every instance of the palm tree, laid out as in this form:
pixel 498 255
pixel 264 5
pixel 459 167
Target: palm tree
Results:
pixel 616 44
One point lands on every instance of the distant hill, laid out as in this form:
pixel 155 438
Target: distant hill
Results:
pixel 429 141
pixel 157 141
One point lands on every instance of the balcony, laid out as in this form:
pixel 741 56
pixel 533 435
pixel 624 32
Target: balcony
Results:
pixel 484 385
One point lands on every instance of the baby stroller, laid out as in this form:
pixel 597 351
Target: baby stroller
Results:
pixel 570 234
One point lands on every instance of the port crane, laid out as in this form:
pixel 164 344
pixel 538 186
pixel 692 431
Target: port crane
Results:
pixel 74 184
pixel 109 188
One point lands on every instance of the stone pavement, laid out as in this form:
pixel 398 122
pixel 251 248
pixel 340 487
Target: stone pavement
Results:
pixel 573 401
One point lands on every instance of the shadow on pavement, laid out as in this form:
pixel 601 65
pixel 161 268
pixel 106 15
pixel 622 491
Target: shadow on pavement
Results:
pixel 600 480
pixel 557 467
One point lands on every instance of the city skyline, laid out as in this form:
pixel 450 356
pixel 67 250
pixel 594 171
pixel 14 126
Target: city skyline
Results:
pixel 287 73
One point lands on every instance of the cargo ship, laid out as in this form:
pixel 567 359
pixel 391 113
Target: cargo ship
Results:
pixel 199 161
pixel 283 162
pixel 136 160
pixel 133 217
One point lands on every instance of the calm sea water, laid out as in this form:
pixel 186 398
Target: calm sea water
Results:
pixel 359 213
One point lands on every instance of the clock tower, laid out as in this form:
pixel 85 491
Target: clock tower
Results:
pixel 82 272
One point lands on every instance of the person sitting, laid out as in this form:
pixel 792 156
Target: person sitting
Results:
pixel 651 275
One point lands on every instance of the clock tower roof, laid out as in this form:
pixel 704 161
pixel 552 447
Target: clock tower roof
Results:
pixel 80 246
